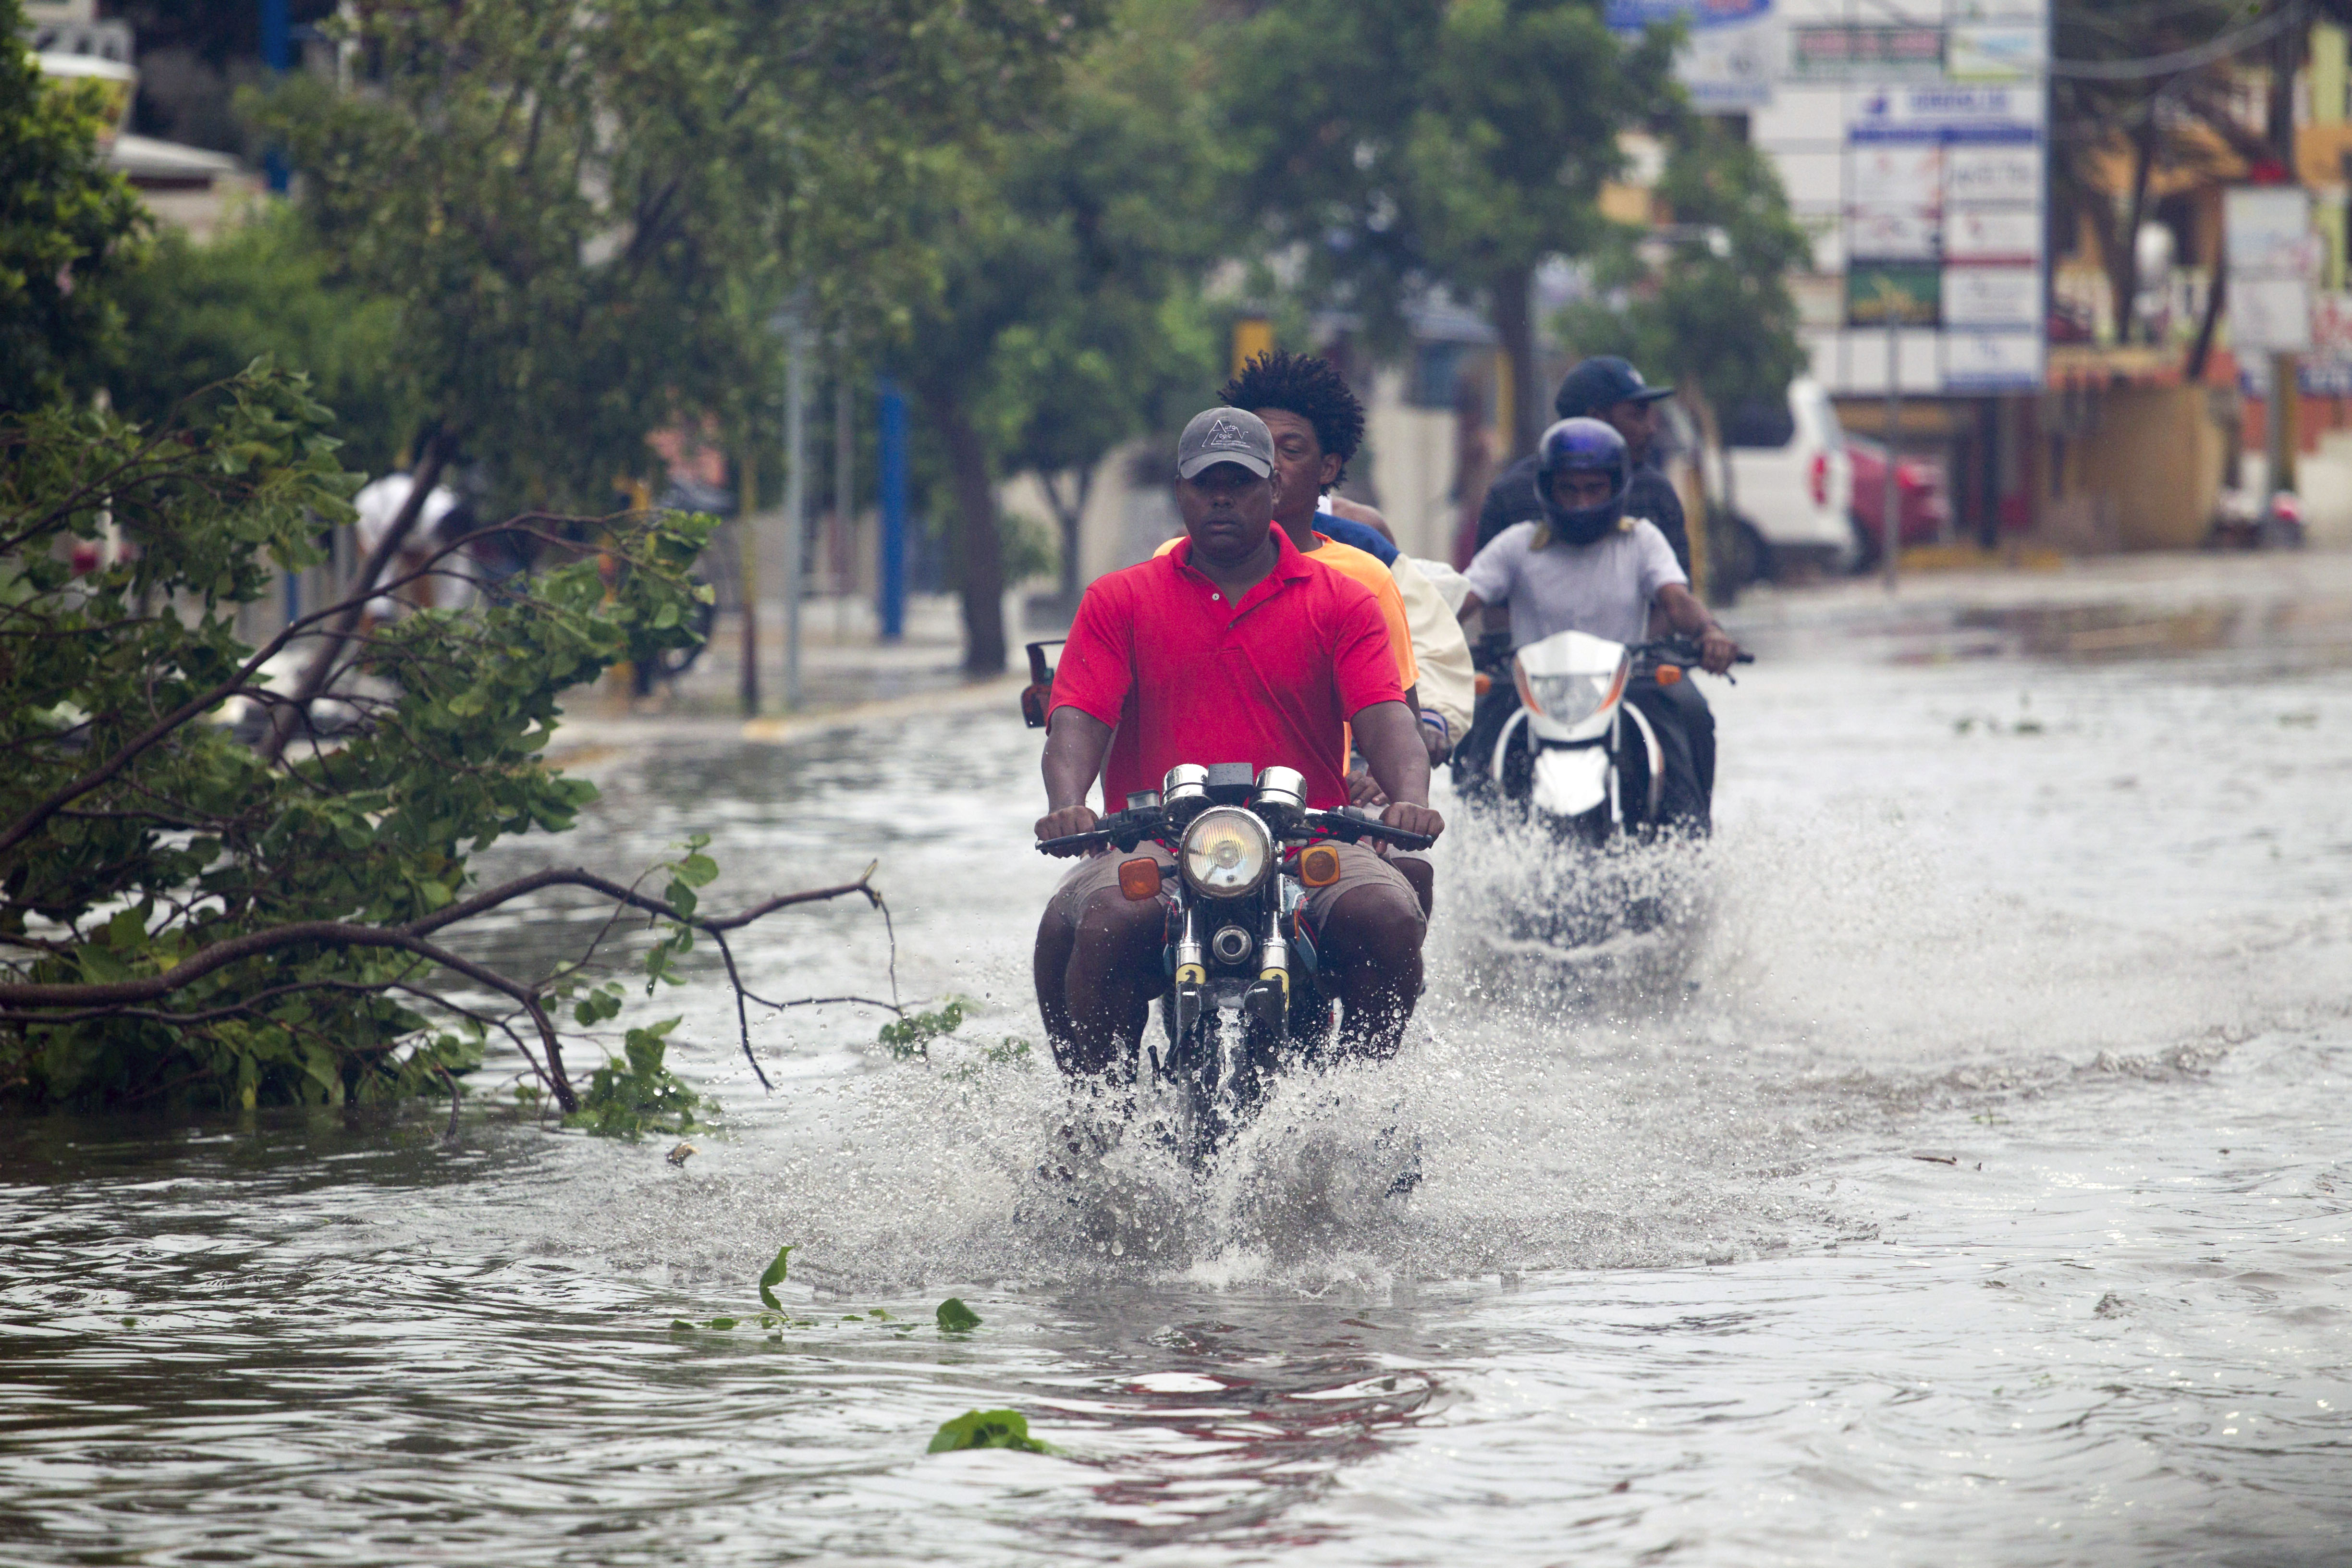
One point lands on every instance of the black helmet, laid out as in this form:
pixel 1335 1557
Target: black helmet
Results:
pixel 1582 446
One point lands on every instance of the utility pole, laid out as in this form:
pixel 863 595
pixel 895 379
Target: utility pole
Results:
pixel 893 433
pixel 844 441
pixel 746 573
pixel 276 54
pixel 1890 527
pixel 2279 415
pixel 796 495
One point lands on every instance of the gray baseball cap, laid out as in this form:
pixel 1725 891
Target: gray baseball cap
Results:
pixel 1224 436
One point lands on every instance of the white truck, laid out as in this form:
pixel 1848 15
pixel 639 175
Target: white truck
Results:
pixel 1789 487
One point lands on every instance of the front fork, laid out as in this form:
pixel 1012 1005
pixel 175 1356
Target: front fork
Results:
pixel 1191 968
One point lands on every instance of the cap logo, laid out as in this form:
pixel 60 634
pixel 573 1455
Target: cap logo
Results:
pixel 1225 433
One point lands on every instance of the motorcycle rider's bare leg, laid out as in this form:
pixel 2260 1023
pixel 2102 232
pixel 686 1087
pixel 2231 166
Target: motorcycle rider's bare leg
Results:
pixel 1049 967
pixel 1112 974
pixel 1371 943
pixel 1421 875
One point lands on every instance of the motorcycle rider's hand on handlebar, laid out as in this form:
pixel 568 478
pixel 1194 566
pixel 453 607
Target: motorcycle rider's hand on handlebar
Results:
pixel 1066 823
pixel 1413 819
pixel 1717 651
pixel 1387 734
pixel 1075 745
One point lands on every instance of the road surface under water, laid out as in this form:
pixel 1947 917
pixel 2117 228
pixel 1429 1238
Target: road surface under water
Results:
pixel 1967 1184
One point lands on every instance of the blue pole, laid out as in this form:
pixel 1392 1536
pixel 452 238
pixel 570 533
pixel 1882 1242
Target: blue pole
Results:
pixel 276 34
pixel 277 53
pixel 894 511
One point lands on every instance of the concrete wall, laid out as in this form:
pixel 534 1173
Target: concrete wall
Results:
pixel 1411 474
pixel 2145 473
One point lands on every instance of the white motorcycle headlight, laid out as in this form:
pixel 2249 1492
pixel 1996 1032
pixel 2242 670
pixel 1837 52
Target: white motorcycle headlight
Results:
pixel 1568 699
pixel 1227 853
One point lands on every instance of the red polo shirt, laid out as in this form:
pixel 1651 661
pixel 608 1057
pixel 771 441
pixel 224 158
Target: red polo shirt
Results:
pixel 1189 678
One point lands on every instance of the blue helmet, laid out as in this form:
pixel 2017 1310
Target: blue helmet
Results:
pixel 1583 447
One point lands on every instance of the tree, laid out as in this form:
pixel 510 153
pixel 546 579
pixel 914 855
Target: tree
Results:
pixel 1712 311
pixel 180 920
pixel 2116 123
pixel 586 213
pixel 1064 318
pixel 67 225
pixel 194 315
pixel 1398 144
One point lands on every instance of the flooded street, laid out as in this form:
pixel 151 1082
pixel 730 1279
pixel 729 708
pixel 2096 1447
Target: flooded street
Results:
pixel 1967 1182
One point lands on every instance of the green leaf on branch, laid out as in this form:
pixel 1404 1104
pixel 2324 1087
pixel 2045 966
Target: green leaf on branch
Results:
pixel 912 1036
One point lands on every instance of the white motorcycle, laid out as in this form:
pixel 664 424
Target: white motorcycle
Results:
pixel 1576 756
pixel 1574 762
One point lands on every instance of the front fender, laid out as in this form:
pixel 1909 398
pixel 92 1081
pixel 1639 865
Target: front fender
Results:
pixel 1570 779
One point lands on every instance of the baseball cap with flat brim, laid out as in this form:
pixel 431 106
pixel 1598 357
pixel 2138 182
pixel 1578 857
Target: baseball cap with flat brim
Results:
pixel 1603 382
pixel 1224 436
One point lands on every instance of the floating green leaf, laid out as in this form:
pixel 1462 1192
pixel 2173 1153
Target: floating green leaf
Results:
pixel 988 1430
pixel 722 1324
pixel 955 1318
pixel 772 1279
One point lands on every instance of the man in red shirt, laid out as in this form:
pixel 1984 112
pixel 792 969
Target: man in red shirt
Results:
pixel 1231 647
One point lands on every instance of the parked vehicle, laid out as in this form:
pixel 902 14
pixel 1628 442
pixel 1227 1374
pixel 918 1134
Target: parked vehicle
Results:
pixel 1245 999
pixel 1922 500
pixel 1785 483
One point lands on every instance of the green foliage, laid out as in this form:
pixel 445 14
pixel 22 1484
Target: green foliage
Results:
pixel 912 1036
pixel 1717 317
pixel 635 1094
pixel 140 839
pixel 955 1318
pixel 772 1277
pixel 585 214
pixel 988 1430
pixel 65 224
pixel 196 314
pixel 1062 313
pixel 1400 143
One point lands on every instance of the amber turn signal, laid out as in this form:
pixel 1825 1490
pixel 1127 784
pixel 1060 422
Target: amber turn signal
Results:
pixel 1139 878
pixel 1319 866
pixel 1669 673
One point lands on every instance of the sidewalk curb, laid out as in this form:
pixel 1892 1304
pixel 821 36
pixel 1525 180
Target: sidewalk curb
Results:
pixel 784 728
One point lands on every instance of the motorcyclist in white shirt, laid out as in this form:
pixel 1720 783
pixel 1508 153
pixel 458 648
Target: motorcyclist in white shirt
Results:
pixel 1586 566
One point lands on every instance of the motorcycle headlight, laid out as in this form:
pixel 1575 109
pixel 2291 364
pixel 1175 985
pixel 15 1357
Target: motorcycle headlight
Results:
pixel 1569 699
pixel 1227 853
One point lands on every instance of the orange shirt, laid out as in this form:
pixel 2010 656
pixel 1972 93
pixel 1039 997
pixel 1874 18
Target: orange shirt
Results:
pixel 1365 568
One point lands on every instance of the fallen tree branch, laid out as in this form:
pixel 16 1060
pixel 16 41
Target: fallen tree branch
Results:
pixel 27 1003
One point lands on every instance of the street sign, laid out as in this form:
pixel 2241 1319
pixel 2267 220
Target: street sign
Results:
pixel 1731 53
pixel 2272 255
pixel 1844 52
pixel 1901 293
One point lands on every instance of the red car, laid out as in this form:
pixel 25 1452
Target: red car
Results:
pixel 1922 502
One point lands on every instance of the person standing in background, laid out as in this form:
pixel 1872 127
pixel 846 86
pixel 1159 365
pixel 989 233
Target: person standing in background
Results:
pixel 1611 390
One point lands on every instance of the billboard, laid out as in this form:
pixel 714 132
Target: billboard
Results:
pixel 1941 201
pixel 1731 52
pixel 2271 254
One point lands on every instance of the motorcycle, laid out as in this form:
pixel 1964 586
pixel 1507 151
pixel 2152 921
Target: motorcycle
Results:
pixel 1245 997
pixel 1571 763
pixel 1574 754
